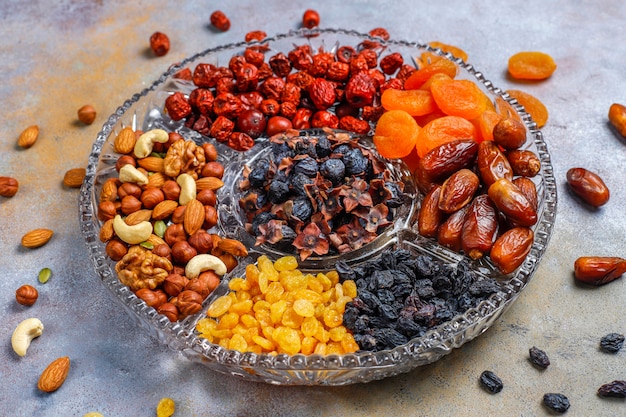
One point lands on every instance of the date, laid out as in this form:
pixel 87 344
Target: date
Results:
pixel 492 163
pixel 430 216
pixel 511 248
pixel 599 270
pixel 480 227
pixel 458 190
pixel 512 203
pixel 588 186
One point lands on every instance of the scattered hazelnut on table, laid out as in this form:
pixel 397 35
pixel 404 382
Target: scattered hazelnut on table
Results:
pixel 26 295
pixel 87 114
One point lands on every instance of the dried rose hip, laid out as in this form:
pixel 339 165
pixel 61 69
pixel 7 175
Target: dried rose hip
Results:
pixel 159 43
pixel 220 21
pixel 310 19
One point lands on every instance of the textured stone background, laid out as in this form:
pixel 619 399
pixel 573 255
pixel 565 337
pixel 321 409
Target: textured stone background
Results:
pixel 57 56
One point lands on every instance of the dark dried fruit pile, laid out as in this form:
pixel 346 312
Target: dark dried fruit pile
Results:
pixel 321 194
pixel 401 296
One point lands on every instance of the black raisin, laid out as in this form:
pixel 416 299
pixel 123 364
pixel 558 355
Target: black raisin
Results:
pixel 333 170
pixel 491 382
pixel 556 402
pixel 616 389
pixel 538 357
pixel 278 192
pixel 612 342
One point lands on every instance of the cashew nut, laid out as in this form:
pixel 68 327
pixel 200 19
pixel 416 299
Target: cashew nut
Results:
pixel 129 173
pixel 24 333
pixel 134 234
pixel 187 188
pixel 204 262
pixel 145 143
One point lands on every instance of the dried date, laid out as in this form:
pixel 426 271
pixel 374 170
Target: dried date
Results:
pixel 524 162
pixel 511 248
pixel 444 160
pixel 512 202
pixel 492 163
pixel 430 216
pixel 458 190
pixel 480 227
pixel 588 186
pixel 598 270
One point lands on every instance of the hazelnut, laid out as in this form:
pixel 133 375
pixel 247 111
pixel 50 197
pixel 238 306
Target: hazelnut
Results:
pixel 210 152
pixel 130 204
pixel 26 295
pixel 198 286
pixel 8 186
pixel 207 197
pixel 188 303
pixel 178 215
pixel 106 210
pixel 87 114
pixel 171 190
pixel 169 310
pixel 124 160
pixel 213 169
pixel 229 260
pixel 163 250
pixel 116 249
pixel 174 284
pixel 211 279
pixel 201 241
pixel 128 188
pixel 151 197
pixel 210 217
pixel 182 252
pixel 174 233
pixel 154 298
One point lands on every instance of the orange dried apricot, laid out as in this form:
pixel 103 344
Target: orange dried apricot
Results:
pixel 532 105
pixel 442 130
pixel 531 65
pixel 438 76
pixel 396 134
pixel 461 98
pixel 454 50
pixel 485 124
pixel 414 102
pixel 419 77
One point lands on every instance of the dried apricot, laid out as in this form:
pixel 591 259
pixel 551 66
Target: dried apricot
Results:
pixel 442 130
pixel 531 65
pixel 485 124
pixel 532 105
pixel 396 134
pixel 454 50
pixel 419 77
pixel 458 97
pixel 414 102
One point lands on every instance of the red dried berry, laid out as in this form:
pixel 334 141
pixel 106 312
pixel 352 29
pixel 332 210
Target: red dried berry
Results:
pixel 220 21
pixel 159 43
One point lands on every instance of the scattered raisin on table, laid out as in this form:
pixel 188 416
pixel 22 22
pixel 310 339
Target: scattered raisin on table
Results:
pixel 539 358
pixel 612 342
pixel 491 382
pixel 615 389
pixel 556 402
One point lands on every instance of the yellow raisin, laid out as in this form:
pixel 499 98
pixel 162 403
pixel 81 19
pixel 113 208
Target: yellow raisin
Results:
pixel 219 306
pixel 287 339
pixel 274 292
pixel 349 288
pixel 286 263
pixel 310 326
pixel 263 343
pixel 304 308
pixel 241 307
pixel 237 342
pixel 165 407
pixel 228 321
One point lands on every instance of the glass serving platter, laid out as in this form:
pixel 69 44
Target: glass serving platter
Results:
pixel 145 111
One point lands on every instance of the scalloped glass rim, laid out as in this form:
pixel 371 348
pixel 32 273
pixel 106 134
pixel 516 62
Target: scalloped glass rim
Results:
pixel 315 369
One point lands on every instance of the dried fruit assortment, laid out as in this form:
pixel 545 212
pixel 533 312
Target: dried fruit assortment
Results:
pixel 323 194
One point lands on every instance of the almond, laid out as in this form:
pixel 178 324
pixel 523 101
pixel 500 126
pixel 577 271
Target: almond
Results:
pixel 156 180
pixel 106 231
pixel 151 163
pixel 136 217
pixel 54 375
pixel 74 177
pixel 210 183
pixel 193 217
pixel 36 238
pixel 28 137
pixel 232 246
pixel 109 190
pixel 164 209
pixel 124 142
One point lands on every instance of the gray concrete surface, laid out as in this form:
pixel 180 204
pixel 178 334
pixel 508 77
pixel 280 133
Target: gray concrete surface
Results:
pixel 57 56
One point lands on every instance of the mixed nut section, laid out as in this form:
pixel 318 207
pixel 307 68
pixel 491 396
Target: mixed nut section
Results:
pixel 157 214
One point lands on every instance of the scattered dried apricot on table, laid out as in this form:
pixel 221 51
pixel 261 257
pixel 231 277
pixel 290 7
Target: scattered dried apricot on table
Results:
pixel 533 106
pixel 396 134
pixel 531 65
